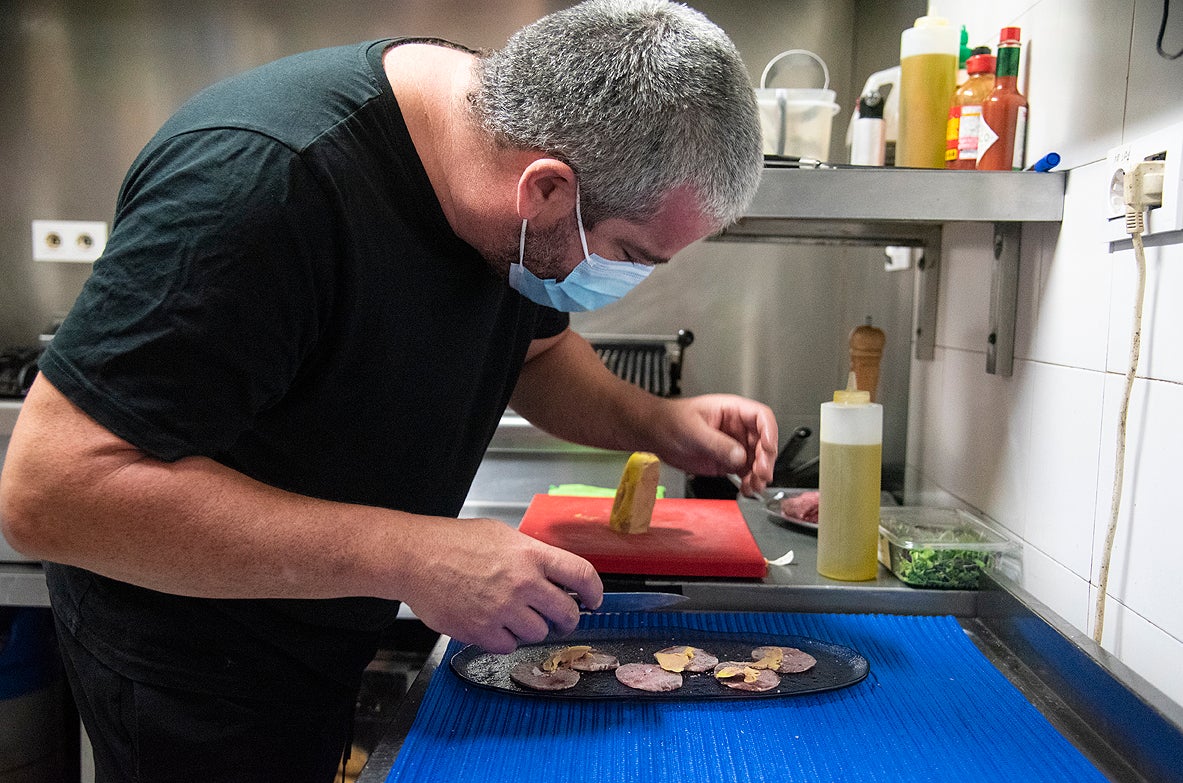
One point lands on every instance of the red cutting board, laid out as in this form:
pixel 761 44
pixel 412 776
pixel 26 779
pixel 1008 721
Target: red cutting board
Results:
pixel 687 537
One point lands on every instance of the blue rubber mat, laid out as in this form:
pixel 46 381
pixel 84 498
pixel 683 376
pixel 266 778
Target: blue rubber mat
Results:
pixel 932 709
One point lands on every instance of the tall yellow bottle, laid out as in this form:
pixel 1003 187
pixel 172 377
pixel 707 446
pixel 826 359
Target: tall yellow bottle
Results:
pixel 851 436
pixel 928 77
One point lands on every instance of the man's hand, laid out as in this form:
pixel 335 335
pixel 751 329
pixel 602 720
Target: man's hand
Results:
pixel 489 585
pixel 714 434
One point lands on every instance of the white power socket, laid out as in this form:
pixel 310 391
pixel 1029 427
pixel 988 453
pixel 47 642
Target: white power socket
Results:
pixel 68 240
pixel 1165 145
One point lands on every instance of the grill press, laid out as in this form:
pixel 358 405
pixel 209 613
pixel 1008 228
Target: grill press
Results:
pixel 651 361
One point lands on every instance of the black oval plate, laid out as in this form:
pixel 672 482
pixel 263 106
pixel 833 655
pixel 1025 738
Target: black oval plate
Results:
pixel 837 666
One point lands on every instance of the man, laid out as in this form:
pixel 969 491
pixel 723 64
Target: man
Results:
pixel 326 279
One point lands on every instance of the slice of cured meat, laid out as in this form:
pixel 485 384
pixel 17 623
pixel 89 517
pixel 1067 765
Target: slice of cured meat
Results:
pixel 741 676
pixel 595 661
pixel 648 677
pixel 803 506
pixel 699 659
pixel 529 674
pixel 793 661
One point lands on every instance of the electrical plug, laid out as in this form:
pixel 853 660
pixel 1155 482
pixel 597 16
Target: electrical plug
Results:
pixel 1142 190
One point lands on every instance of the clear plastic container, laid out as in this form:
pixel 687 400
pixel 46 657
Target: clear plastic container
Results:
pixel 796 121
pixel 944 548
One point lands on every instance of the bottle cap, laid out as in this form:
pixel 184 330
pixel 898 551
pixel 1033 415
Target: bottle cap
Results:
pixel 980 63
pixel 1009 35
pixel 933 21
pixel 851 394
pixel 966 52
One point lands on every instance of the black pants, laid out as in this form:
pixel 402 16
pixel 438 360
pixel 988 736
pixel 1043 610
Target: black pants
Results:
pixel 147 734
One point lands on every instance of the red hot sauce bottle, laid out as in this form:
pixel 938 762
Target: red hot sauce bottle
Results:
pixel 1003 129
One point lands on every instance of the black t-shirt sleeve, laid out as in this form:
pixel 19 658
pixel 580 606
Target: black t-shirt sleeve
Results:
pixel 207 299
pixel 550 323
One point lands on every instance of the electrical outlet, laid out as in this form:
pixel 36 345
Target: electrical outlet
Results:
pixel 68 240
pixel 1165 145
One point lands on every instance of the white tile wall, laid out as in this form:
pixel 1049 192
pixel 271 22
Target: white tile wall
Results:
pixel 1035 452
pixel 1072 292
pixel 1162 318
pixel 1145 568
pixel 1065 593
pixel 1144 647
pixel 1063 447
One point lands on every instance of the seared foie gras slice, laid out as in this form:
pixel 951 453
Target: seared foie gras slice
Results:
pixel 530 675
pixel 595 661
pixel 682 658
pixel 786 660
pixel 632 510
pixel 743 676
pixel 648 677
pixel 564 657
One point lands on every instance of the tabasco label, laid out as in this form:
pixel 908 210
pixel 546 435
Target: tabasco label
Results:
pixel 986 136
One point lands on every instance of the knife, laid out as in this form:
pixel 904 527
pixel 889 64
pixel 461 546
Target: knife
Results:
pixel 635 602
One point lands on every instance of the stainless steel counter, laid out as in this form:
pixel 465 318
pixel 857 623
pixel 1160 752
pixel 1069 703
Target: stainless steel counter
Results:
pixel 23 584
pixel 1127 728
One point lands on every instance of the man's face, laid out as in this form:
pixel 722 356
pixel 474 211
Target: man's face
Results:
pixel 553 251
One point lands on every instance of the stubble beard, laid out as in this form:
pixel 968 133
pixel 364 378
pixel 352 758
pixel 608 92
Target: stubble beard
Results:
pixel 547 252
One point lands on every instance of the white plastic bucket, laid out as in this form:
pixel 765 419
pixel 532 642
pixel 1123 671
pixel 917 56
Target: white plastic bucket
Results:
pixel 796 121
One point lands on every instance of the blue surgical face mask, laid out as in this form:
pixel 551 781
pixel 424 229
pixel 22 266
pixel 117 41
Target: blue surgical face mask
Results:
pixel 593 283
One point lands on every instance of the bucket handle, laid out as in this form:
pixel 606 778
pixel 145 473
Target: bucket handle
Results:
pixel 768 69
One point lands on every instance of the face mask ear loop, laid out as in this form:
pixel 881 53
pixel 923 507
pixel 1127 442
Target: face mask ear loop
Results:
pixel 522 244
pixel 579 219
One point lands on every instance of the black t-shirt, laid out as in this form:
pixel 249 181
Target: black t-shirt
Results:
pixel 282 293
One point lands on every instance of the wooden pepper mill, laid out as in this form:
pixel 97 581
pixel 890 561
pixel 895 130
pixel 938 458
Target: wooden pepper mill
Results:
pixel 866 349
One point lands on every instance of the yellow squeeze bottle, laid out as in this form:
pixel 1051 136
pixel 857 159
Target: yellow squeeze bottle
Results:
pixel 928 77
pixel 850 467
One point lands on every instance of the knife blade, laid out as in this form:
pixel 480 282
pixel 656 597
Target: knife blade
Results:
pixel 635 602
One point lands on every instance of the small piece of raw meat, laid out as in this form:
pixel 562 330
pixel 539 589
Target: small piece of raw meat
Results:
pixel 648 677
pixel 699 659
pixel 595 661
pixel 803 506
pixel 529 675
pixel 793 661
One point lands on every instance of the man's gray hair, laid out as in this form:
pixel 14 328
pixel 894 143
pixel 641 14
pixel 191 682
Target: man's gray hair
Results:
pixel 638 97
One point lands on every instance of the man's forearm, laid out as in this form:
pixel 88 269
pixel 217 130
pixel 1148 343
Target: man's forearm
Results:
pixel 567 391
pixel 74 493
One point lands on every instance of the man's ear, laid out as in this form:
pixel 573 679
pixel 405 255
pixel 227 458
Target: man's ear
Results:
pixel 546 190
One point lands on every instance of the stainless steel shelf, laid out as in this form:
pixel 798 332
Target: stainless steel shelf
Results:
pixel 856 205
pixel 872 194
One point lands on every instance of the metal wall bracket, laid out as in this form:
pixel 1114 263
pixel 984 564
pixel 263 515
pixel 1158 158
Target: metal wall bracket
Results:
pixel 928 286
pixel 1004 294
